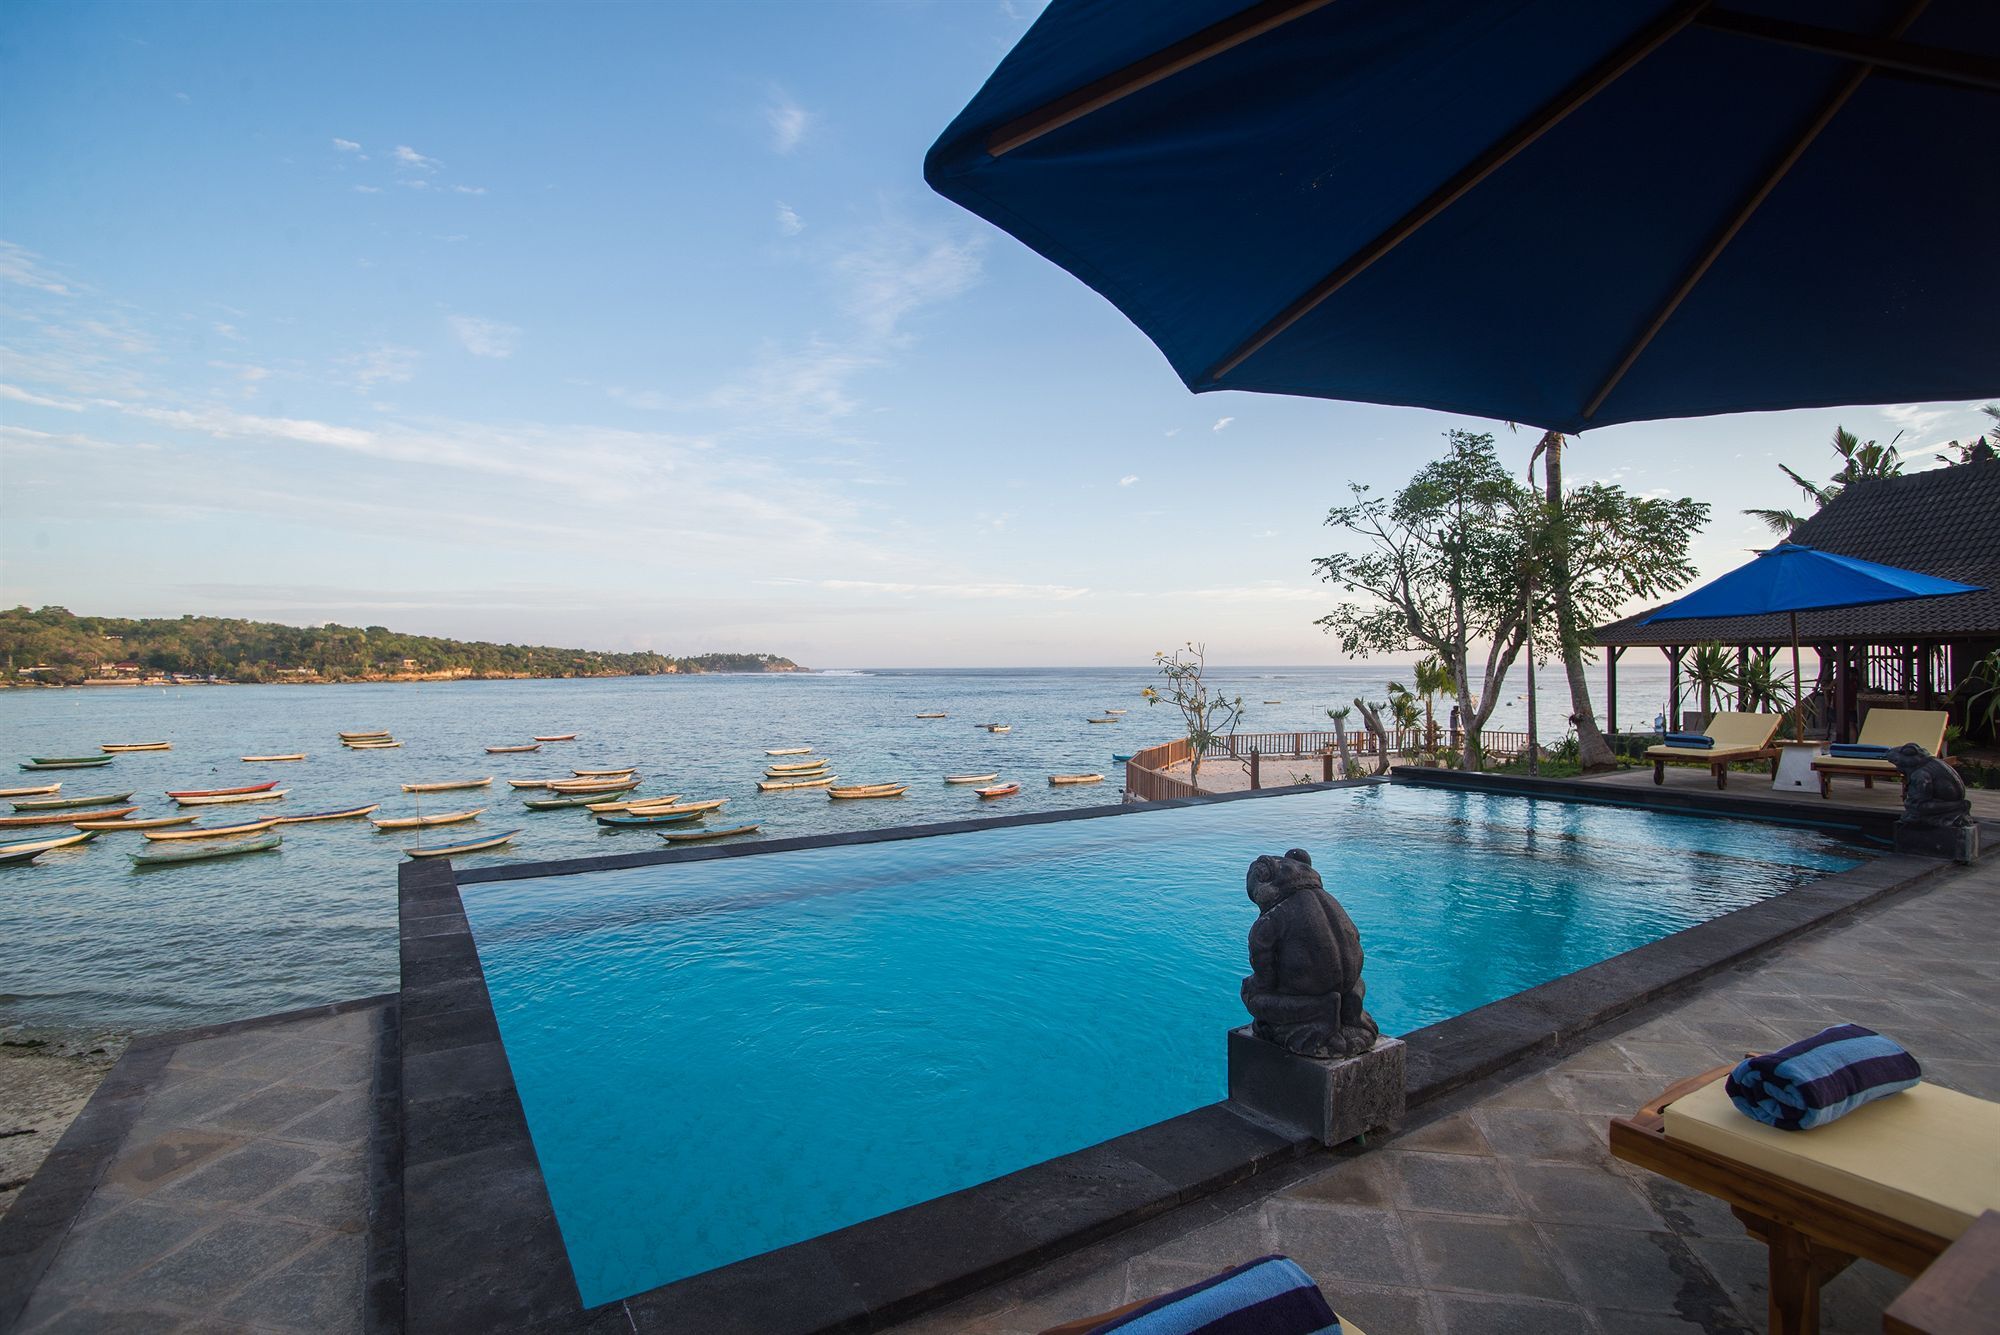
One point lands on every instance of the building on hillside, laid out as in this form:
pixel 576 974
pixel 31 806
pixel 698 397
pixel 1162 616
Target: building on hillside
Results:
pixel 1914 654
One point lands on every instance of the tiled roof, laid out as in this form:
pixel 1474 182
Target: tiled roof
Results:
pixel 1944 521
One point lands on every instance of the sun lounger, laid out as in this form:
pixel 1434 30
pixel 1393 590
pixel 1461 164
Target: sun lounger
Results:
pixel 1885 728
pixel 1735 737
pixel 1894 1182
pixel 1267 1295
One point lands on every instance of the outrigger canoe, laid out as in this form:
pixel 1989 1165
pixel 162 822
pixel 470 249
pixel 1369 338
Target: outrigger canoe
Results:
pixel 227 799
pixel 802 772
pixel 625 804
pixel 933 716
pixel 156 857
pixel 267 760
pixel 469 846
pixel 999 790
pixel 1106 719
pixel 512 750
pixel 779 785
pixel 70 803
pixel 34 846
pixel 371 746
pixel 995 727
pixel 972 778
pixel 62 817
pixel 364 736
pixel 605 773
pixel 529 783
pixel 862 790
pixel 99 826
pixel 570 803
pixel 18 859
pixel 114 748
pixel 66 762
pixel 558 737
pixel 346 814
pixel 452 786
pixel 788 750
pixel 425 822
pixel 695 836
pixel 574 786
pixel 1117 759
pixel 1060 779
pixel 664 805
pixel 223 792
pixel 1120 711
pixel 798 766
pixel 616 818
pixel 36 790
pixel 212 831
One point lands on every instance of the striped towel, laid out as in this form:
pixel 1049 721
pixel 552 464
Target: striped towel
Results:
pixel 1269 1296
pixel 1857 751
pixel 1817 1079
pixel 1699 741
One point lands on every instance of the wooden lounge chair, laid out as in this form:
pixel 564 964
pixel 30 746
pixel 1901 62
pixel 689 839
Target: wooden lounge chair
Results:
pixel 1894 1182
pixel 1884 727
pixel 1736 737
pixel 1183 1309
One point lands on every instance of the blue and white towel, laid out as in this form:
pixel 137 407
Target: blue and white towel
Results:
pixel 1269 1296
pixel 1699 741
pixel 1817 1079
pixel 1858 751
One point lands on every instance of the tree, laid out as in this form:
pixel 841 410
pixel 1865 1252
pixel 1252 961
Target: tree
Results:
pixel 1710 669
pixel 1209 718
pixel 1594 754
pixel 1979 449
pixel 1858 459
pixel 1432 680
pixel 1339 717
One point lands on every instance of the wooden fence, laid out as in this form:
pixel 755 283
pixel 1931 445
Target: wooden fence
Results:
pixel 1145 780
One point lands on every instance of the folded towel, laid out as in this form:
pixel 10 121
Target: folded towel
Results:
pixel 1270 1296
pixel 1693 739
pixel 1817 1079
pixel 1856 751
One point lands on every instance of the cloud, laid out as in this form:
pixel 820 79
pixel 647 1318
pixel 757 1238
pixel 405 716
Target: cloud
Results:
pixel 898 270
pixel 383 364
pixel 25 268
pixel 227 331
pixel 346 145
pixel 226 424
pixel 469 189
pixel 247 374
pixel 484 338
pixel 1221 422
pixel 1175 432
pixel 368 189
pixel 789 221
pixel 1128 479
pixel 788 121
pixel 802 391
pixel 19 395
pixel 408 157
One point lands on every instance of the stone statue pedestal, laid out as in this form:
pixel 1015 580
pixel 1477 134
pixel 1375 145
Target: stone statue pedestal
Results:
pixel 1333 1100
pixel 1958 842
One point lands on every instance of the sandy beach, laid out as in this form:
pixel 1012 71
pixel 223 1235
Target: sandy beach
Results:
pixel 44 1083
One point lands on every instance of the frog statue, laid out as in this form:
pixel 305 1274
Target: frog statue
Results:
pixel 1304 991
pixel 1933 794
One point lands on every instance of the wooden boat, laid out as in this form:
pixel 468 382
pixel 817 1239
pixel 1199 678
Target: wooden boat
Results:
pixel 1274 702
pixel 33 790
pixel 371 746
pixel 117 748
pixel 17 859
pixel 34 846
pixel 66 762
pixel 596 785
pixel 270 760
pixel 663 806
pixel 625 804
pixel 1117 759
pixel 231 798
pixel 425 822
pixel 512 750
pixel 972 778
pixel 62 817
pixel 862 790
pixel 780 785
pixel 448 787
pixel 997 727
pixel 157 857
pixel 798 772
pixel 605 773
pixel 529 783
pixel 469 846
pixel 669 817
pixel 933 716
pixel 571 802
pixel 212 831
pixel 364 736
pixel 788 750
pixel 1106 719
pixel 70 803
pixel 347 813
pixel 1114 711
pixel 999 790
pixel 558 737
pixel 794 766
pixel 1060 779
pixel 148 823
pixel 177 795
pixel 696 836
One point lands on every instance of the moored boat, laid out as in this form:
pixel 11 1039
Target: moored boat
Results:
pixel 529 783
pixel 62 817
pixel 558 737
pixel 933 716
pixel 666 805
pixel 469 846
pixel 156 857
pixel 364 736
pixel 616 819
pixel 33 790
pixel 211 831
pixel 801 772
pixel 346 813
pixel 972 778
pixel 798 766
pixel 864 790
pixel 227 799
pixel 1106 719
pixel 696 836
pixel 34 846
pixel 780 785
pixel 605 773
pixel 448 786
pixel 269 760
pixel 425 822
pixel 1117 759
pixel 995 727
pixel 512 750
pixel 70 803
pixel 999 790
pixel 18 859
pixel 101 826
pixel 1059 780
pixel 624 785
pixel 788 750
pixel 569 803
pixel 372 746
pixel 178 794
pixel 1274 702
pixel 116 748
pixel 1114 711
pixel 66 762
pixel 617 803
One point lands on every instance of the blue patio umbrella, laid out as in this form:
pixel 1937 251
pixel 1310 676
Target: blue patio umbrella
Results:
pixel 1791 578
pixel 1568 213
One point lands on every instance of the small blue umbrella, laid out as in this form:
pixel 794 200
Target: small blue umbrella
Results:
pixel 1791 578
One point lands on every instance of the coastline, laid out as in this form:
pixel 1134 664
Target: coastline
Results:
pixel 44 1082
pixel 412 678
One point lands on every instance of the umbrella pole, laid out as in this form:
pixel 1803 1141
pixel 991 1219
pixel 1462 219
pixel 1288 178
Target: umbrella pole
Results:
pixel 1798 723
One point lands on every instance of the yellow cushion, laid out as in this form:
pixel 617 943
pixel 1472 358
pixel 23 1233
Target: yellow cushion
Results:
pixel 1701 753
pixel 1893 727
pixel 1733 731
pixel 1928 1156
pixel 1854 764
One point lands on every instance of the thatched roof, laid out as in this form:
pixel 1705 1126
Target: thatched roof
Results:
pixel 1945 522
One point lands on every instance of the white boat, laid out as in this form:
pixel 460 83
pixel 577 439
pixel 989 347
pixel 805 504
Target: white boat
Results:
pixel 222 799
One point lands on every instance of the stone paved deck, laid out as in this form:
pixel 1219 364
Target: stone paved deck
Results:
pixel 1502 1210
pixel 238 1200
pixel 1884 796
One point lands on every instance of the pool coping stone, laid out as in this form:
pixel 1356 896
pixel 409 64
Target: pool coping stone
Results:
pixel 483 1249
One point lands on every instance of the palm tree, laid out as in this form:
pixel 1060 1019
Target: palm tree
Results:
pixel 1593 753
pixel 1859 459
pixel 1979 447
pixel 1710 669
pixel 1433 680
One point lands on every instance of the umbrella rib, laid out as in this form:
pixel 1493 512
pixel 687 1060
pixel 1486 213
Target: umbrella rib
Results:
pixel 1742 216
pixel 1162 64
pixel 1929 62
pixel 1594 81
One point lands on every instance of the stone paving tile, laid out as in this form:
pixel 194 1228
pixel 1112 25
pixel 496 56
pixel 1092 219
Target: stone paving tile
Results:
pixel 1458 1314
pixel 1567 1192
pixel 1338 1243
pixel 217 1261
pixel 1503 1259
pixel 1451 1184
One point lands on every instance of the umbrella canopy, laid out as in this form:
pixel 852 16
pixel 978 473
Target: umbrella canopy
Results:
pixel 1565 213
pixel 1791 578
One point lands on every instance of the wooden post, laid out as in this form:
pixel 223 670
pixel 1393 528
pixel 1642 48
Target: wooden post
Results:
pixel 1673 652
pixel 1326 764
pixel 1256 775
pixel 1611 656
pixel 1742 674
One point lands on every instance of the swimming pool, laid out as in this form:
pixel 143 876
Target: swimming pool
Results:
pixel 718 1058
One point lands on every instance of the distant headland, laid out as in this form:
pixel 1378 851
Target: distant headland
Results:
pixel 55 647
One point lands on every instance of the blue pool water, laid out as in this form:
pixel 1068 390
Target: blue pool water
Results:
pixel 723 1057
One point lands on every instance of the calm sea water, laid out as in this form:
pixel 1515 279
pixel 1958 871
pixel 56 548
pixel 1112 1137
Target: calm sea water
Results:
pixel 906 1019
pixel 92 944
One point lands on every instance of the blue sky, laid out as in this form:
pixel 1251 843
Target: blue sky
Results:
pixel 635 326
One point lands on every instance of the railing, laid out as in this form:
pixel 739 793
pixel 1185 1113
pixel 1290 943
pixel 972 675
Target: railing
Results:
pixel 1145 780
pixel 1145 783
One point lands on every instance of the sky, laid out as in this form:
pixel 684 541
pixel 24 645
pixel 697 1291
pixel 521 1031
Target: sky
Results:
pixel 635 326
